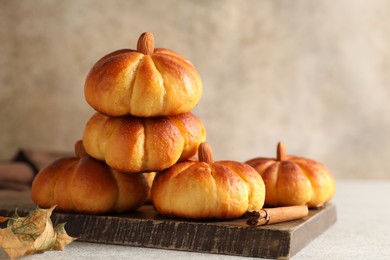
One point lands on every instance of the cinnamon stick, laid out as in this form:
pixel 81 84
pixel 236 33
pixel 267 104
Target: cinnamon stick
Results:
pixel 276 215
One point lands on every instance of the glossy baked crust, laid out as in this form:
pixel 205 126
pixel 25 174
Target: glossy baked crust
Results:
pixel 293 180
pixel 200 190
pixel 127 82
pixel 134 144
pixel 86 185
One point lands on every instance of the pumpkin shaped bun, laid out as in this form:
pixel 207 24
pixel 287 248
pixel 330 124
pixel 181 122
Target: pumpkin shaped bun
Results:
pixel 206 189
pixel 291 180
pixel 143 144
pixel 85 185
pixel 145 82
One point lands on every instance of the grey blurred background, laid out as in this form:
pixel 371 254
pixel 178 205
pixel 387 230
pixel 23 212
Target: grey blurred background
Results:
pixel 313 74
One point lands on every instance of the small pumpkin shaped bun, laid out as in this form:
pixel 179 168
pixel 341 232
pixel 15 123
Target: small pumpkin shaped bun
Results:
pixel 146 82
pixel 143 144
pixel 206 189
pixel 291 180
pixel 84 185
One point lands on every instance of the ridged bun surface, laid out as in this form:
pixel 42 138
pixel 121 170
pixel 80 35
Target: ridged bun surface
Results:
pixel 292 180
pixel 85 185
pixel 146 82
pixel 208 190
pixel 134 144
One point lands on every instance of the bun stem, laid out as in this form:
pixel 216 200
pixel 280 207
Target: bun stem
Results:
pixel 79 149
pixel 145 43
pixel 281 152
pixel 205 153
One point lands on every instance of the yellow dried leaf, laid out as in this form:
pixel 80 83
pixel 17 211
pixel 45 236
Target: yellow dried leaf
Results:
pixel 47 238
pixel 33 233
pixel 29 228
pixel 11 244
pixel 63 238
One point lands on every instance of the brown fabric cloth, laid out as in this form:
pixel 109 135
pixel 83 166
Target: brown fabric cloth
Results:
pixel 19 172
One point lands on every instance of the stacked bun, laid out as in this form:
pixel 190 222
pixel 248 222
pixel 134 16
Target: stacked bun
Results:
pixel 146 82
pixel 135 144
pixel 139 145
pixel 143 123
pixel 143 100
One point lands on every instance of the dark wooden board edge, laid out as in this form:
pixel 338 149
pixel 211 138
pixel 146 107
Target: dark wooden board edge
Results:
pixel 313 227
pixel 280 241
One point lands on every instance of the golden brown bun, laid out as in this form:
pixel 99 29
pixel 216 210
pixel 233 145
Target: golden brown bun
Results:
pixel 88 186
pixel 129 82
pixel 134 144
pixel 292 180
pixel 208 190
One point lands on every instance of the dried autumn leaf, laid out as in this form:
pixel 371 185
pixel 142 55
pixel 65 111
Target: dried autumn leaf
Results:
pixel 28 229
pixel 47 238
pixel 33 233
pixel 63 238
pixel 11 244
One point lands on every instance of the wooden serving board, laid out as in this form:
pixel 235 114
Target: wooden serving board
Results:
pixel 145 228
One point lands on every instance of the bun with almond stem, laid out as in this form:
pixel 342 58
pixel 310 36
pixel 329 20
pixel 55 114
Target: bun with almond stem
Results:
pixel 134 144
pixel 292 180
pixel 146 82
pixel 84 185
pixel 206 189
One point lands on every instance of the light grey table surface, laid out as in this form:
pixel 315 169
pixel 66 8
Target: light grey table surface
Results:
pixel 362 231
